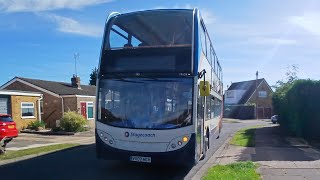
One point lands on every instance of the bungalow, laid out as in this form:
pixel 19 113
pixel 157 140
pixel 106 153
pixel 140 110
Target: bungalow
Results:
pixel 23 106
pixel 58 97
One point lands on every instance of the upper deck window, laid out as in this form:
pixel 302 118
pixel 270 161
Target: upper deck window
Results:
pixel 156 28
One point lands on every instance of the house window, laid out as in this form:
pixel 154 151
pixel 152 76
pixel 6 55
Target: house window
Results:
pixel 263 94
pixel 27 110
pixel 89 110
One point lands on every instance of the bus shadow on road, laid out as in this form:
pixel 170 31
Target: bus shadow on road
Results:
pixel 81 163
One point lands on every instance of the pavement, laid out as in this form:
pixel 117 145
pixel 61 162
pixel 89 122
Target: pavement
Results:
pixel 279 157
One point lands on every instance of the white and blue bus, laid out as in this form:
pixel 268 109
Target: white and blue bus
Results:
pixel 159 88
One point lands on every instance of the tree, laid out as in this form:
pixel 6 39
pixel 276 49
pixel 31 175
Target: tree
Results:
pixel 291 76
pixel 279 97
pixel 93 76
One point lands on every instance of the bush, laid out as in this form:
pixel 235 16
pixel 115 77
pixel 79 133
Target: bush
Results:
pixel 298 107
pixel 73 122
pixel 36 125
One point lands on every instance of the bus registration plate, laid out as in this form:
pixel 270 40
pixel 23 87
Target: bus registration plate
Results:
pixel 140 159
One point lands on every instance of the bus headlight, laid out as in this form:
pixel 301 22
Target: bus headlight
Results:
pixel 185 139
pixel 180 141
pixel 106 138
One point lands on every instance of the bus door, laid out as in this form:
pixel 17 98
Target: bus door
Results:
pixel 200 126
pixel 204 89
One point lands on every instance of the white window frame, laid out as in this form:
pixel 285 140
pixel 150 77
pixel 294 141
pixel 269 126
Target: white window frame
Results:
pixel 34 110
pixel 90 102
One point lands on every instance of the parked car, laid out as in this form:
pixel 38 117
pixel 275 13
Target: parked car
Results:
pixel 8 129
pixel 274 119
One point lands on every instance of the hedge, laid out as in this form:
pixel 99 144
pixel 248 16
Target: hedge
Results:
pixel 298 107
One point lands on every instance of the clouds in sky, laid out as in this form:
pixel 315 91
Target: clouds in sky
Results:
pixel 69 25
pixel 308 21
pixel 63 24
pixel 45 5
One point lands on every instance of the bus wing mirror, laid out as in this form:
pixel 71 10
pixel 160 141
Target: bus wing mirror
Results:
pixel 204 88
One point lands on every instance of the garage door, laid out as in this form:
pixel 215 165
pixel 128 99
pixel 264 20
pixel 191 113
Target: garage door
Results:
pixel 4 106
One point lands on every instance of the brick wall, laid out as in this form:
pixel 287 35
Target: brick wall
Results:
pixel 70 104
pixel 16 110
pixel 264 103
pixel 52 106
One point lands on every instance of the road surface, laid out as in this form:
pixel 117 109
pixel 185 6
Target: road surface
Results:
pixel 81 163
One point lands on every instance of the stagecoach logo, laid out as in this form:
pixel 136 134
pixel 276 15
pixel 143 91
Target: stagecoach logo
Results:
pixel 126 134
pixel 139 135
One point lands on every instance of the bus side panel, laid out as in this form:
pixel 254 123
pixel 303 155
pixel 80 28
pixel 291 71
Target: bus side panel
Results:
pixel 183 156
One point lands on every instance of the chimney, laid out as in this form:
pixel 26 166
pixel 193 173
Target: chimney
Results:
pixel 75 82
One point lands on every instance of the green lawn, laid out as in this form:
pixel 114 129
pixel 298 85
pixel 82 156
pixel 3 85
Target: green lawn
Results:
pixel 239 171
pixel 245 137
pixel 20 153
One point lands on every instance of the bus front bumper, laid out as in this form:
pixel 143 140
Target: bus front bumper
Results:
pixel 183 156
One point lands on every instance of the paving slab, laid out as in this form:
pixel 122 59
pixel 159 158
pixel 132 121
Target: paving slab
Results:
pixel 286 177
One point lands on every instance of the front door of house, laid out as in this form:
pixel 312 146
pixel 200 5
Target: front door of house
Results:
pixel 84 109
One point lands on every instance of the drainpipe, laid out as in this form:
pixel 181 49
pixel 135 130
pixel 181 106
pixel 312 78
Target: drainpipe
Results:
pixel 62 103
pixel 39 108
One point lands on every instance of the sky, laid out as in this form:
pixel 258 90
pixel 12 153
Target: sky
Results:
pixel 39 38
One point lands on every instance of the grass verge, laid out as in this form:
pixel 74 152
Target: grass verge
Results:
pixel 239 171
pixel 37 150
pixel 245 137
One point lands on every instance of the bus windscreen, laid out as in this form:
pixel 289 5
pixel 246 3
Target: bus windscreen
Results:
pixel 145 103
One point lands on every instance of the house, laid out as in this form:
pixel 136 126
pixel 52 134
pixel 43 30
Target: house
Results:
pixel 253 92
pixel 23 106
pixel 58 97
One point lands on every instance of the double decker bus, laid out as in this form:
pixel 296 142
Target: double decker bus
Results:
pixel 159 88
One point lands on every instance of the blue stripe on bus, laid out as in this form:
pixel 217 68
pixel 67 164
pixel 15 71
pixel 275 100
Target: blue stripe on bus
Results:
pixel 196 44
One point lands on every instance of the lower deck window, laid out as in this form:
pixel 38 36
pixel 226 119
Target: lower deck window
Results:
pixel 27 110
